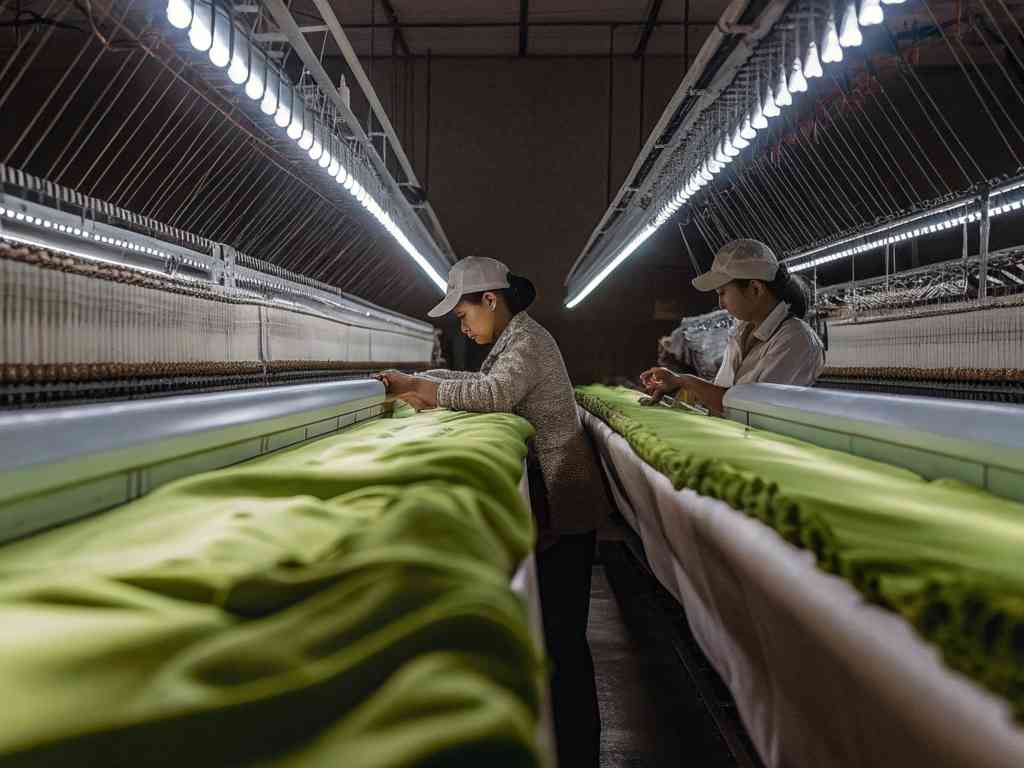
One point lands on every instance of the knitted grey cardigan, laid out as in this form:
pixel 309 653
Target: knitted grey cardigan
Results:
pixel 525 374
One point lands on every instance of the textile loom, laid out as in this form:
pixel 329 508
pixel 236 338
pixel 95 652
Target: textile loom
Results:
pixel 924 331
pixel 876 148
pixel 184 187
pixel 93 309
pixel 822 544
pixel 818 540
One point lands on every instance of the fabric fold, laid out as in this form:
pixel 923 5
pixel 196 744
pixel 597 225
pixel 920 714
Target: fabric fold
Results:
pixel 945 555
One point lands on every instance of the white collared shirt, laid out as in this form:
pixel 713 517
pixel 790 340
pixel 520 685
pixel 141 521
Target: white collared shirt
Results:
pixel 784 350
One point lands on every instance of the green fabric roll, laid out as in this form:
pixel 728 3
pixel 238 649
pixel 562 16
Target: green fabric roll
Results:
pixel 944 554
pixel 344 602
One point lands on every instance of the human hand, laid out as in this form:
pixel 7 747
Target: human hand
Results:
pixel 396 382
pixel 417 401
pixel 659 382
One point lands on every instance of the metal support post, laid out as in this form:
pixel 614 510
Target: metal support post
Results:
pixel 983 230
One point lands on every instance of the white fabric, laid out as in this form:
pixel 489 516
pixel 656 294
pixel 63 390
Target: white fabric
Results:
pixel 785 350
pixel 821 678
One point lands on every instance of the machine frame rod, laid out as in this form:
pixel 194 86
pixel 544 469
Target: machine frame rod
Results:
pixel 981 99
pixel 846 126
pixel 790 157
pixel 127 119
pixel 169 128
pixel 859 178
pixel 225 211
pixel 917 88
pixel 87 119
pixel 803 221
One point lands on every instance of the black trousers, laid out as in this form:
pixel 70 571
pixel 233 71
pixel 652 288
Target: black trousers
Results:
pixel 563 573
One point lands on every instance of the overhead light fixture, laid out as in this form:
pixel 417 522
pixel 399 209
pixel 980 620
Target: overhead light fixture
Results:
pixel 200 26
pixel 316 149
pixel 738 139
pixel 797 81
pixel 850 36
pixel 220 47
pixel 283 116
pixel 870 13
pixel 268 104
pixel 812 64
pixel 297 125
pixel 179 13
pixel 624 254
pixel 831 50
pixel 238 71
pixel 783 98
pixel 747 131
pixel 212 31
pixel 758 121
pixel 770 108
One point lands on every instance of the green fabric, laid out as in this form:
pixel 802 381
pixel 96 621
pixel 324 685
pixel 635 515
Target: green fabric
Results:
pixel 948 556
pixel 344 602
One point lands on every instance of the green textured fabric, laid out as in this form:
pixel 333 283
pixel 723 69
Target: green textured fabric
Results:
pixel 344 602
pixel 948 556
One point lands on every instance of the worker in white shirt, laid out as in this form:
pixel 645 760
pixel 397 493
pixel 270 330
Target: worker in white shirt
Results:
pixel 771 343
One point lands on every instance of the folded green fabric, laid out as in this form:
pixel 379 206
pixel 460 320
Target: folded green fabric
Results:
pixel 344 602
pixel 944 554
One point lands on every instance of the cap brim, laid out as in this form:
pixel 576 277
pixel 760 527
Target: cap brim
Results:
pixel 447 305
pixel 711 281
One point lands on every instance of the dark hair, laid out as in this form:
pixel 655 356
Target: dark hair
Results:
pixel 788 288
pixel 519 295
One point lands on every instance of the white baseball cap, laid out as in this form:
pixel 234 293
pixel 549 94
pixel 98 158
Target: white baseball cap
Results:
pixel 471 275
pixel 739 260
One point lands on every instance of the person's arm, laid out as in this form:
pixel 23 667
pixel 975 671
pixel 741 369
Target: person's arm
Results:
pixel 661 381
pixel 417 391
pixel 708 393
pixel 499 390
pixel 442 374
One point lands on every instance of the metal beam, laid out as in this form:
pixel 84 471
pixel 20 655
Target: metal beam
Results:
pixel 327 13
pixel 582 23
pixel 286 23
pixel 524 26
pixel 653 10
pixel 714 41
pixel 984 230
pixel 389 9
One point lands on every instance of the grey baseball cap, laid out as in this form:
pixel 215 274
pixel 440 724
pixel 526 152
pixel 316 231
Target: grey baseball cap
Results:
pixel 471 275
pixel 739 260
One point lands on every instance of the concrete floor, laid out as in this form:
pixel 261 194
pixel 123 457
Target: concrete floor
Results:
pixel 661 703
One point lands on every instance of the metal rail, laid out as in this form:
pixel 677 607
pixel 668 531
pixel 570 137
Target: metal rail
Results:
pixel 290 28
pixel 61 464
pixel 68 221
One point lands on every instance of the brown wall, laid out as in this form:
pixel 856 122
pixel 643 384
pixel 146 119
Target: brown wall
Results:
pixel 518 170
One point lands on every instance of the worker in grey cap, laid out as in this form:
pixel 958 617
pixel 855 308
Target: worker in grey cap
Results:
pixel 770 343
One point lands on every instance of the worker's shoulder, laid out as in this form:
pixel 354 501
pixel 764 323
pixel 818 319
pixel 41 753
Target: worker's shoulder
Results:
pixel 796 331
pixel 527 326
pixel 535 337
